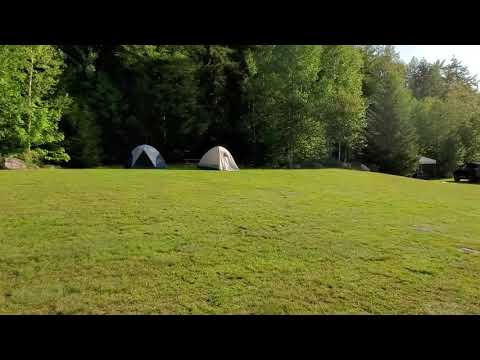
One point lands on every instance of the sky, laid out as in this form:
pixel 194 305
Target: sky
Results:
pixel 469 55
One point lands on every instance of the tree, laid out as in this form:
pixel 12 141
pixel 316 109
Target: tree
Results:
pixel 461 113
pixel 425 79
pixel 10 100
pixel 236 130
pixel 163 89
pixel 81 123
pixel 456 74
pixel 391 139
pixel 341 104
pixel 34 73
pixel 447 124
pixel 285 79
pixel 268 104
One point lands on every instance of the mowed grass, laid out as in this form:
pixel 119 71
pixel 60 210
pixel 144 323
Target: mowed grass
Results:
pixel 250 242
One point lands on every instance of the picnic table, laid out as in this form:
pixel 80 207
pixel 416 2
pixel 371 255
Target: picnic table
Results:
pixel 191 161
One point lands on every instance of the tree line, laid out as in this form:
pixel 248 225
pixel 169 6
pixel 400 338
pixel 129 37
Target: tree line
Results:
pixel 271 105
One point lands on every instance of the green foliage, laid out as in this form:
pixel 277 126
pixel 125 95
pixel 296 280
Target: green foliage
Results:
pixel 285 78
pixel 83 136
pixel 268 104
pixel 35 105
pixel 456 74
pixel 10 100
pixel 425 79
pixel 164 95
pixel 82 122
pixel 391 138
pixel 447 122
pixel 341 104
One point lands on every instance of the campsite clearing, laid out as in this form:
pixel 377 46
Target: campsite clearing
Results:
pixel 249 242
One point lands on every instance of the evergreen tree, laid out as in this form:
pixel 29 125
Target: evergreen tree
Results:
pixel 456 74
pixel 425 79
pixel 81 124
pixel 391 139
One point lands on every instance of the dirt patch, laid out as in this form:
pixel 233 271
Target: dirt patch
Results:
pixel 424 228
pixel 420 271
pixel 469 251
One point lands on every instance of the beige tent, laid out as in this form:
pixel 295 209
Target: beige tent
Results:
pixel 218 158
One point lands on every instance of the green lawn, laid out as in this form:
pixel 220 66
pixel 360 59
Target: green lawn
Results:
pixel 250 242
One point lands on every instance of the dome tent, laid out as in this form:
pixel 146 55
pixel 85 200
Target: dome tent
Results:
pixel 218 158
pixel 146 156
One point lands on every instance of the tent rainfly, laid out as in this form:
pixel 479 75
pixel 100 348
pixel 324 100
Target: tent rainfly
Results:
pixel 218 158
pixel 146 156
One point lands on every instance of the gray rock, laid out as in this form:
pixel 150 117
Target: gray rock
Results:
pixel 12 164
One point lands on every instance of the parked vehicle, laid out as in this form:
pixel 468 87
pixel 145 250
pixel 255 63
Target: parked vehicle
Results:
pixel 470 171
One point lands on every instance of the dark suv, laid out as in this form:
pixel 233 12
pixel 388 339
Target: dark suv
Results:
pixel 470 171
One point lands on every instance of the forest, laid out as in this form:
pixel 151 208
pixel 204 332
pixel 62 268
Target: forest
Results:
pixel 270 105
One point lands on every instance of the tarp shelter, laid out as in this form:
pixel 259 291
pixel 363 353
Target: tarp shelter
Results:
pixel 426 161
pixel 218 158
pixel 146 156
pixel 422 162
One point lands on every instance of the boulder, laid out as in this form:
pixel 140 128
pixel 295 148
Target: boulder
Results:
pixel 12 164
pixel 364 167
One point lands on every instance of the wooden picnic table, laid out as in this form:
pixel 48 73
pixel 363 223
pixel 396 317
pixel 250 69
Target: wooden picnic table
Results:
pixel 191 161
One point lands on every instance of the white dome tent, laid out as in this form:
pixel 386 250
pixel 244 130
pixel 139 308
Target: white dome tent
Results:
pixel 218 158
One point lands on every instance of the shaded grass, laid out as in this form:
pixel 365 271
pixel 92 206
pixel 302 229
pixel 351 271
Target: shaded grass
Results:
pixel 248 242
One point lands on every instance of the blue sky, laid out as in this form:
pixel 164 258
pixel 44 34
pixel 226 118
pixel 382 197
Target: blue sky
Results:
pixel 469 55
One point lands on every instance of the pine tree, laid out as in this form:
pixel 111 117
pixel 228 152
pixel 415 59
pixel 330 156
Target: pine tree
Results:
pixel 391 138
pixel 81 123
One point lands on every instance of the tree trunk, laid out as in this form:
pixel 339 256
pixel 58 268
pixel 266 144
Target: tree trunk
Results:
pixel 290 154
pixel 339 151
pixel 254 130
pixel 292 151
pixel 164 130
pixel 30 110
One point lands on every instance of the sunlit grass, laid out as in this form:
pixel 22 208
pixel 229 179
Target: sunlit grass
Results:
pixel 248 242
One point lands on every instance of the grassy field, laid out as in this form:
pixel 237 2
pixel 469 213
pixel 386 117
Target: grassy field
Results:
pixel 252 242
